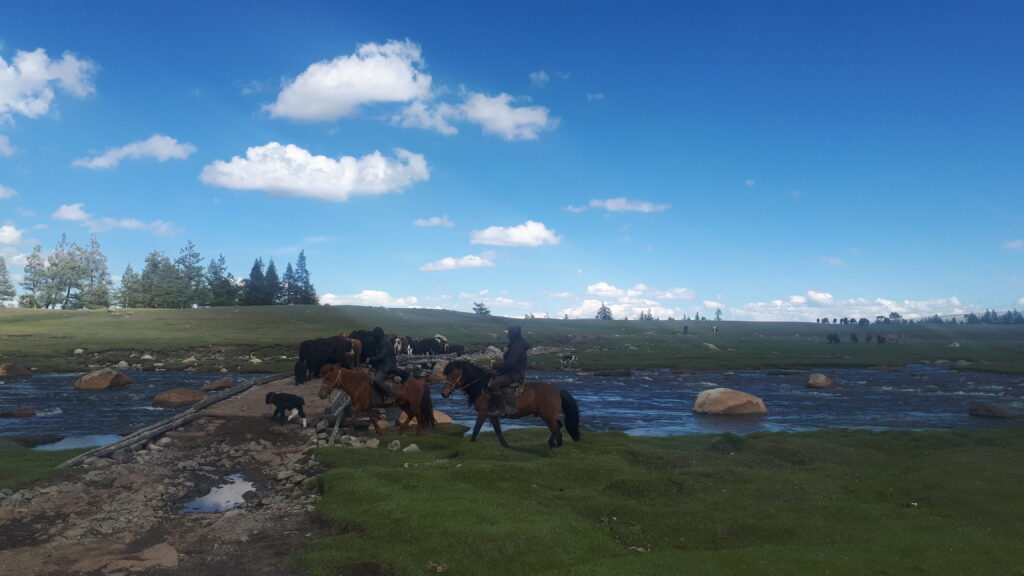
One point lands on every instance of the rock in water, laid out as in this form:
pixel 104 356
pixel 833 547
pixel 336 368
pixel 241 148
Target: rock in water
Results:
pixel 102 379
pixel 820 381
pixel 10 371
pixel 26 412
pixel 728 401
pixel 178 397
pixel 989 410
pixel 218 385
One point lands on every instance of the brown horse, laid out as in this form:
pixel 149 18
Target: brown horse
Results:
pixel 538 399
pixel 413 397
pixel 355 383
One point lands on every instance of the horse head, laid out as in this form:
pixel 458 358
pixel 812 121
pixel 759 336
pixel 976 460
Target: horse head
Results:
pixel 452 378
pixel 329 377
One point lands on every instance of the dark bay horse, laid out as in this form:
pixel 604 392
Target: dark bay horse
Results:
pixel 413 397
pixel 355 383
pixel 538 399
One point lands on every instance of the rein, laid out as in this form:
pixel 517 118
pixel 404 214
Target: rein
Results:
pixel 462 386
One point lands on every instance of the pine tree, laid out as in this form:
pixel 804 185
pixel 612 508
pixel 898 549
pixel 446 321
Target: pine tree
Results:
pixel 34 282
pixel 190 263
pixel 65 274
pixel 289 288
pixel 128 293
pixel 95 292
pixel 6 286
pixel 254 288
pixel 221 284
pixel 604 313
pixel 718 314
pixel 274 290
pixel 481 309
pixel 305 293
pixel 161 284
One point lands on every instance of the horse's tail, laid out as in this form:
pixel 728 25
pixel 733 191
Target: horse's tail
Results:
pixel 572 415
pixel 427 408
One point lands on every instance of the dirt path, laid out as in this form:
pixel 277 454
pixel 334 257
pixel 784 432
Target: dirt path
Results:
pixel 125 514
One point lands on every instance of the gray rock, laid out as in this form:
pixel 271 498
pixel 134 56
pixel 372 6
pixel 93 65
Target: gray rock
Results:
pixel 989 410
pixel 411 448
pixel 395 446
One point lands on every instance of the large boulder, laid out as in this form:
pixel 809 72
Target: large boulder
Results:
pixel 26 412
pixel 437 374
pixel 102 379
pixel 178 397
pixel 10 371
pixel 728 401
pixel 218 385
pixel 988 410
pixel 439 418
pixel 820 381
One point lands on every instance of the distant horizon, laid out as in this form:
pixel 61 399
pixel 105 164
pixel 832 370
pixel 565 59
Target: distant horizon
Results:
pixel 779 161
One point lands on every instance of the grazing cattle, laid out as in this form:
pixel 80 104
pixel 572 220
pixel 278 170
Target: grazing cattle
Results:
pixel 368 341
pixel 568 361
pixel 833 338
pixel 284 403
pixel 316 353
pixel 853 338
pixel 428 346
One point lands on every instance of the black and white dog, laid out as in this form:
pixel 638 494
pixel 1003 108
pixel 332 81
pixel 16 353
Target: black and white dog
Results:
pixel 285 403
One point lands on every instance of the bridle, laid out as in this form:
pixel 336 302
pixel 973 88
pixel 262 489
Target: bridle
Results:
pixel 462 384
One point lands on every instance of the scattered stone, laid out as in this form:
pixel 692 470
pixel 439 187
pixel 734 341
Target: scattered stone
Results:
pixel 10 371
pixel 145 357
pixel 395 446
pixel 437 374
pixel 710 346
pixel 411 448
pixel 322 425
pixel 439 418
pixel 79 351
pixel 123 365
pixel 954 345
pixel 190 360
pixel 26 412
pixel 255 361
pixel 102 379
pixel 728 401
pixel 989 410
pixel 284 475
pixel 820 381
pixel 220 384
pixel 178 397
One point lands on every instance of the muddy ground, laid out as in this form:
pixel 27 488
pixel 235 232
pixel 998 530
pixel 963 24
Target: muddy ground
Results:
pixel 124 515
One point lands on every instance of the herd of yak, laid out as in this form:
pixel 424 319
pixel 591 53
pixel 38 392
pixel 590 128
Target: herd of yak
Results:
pixel 357 347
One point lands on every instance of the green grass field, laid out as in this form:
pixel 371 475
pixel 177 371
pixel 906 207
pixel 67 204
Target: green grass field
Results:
pixel 827 502
pixel 225 337
pixel 21 467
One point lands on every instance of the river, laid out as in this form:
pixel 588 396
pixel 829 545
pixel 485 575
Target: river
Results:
pixel 645 403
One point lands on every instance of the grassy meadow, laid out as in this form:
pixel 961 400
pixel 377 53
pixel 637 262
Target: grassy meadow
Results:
pixel 228 337
pixel 826 502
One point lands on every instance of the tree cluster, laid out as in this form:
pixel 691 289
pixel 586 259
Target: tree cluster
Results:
pixel 71 277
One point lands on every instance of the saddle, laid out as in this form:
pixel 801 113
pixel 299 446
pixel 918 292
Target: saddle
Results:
pixel 509 400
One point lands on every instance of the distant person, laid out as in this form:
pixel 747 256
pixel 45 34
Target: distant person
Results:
pixel 686 330
pixel 510 370
pixel 385 366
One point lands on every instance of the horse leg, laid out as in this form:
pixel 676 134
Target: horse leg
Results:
pixel 376 426
pixel 480 417
pixel 497 431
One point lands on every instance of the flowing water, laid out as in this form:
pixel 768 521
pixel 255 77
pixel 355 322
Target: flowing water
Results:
pixel 646 403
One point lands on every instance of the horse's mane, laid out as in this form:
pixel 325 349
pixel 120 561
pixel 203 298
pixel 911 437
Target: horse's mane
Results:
pixel 476 376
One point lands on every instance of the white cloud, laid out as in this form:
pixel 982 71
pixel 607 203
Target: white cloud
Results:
pixel 540 78
pixel 13 258
pixel 287 170
pixel 820 298
pixel 675 294
pixel 6 192
pixel 471 261
pixel 595 96
pixel 497 116
pixel 76 213
pixel 529 233
pixel 605 290
pixel 329 90
pixel 157 146
pixel 749 182
pixel 1014 244
pixel 9 235
pixel 471 295
pixel 71 213
pixel 5 146
pixel 831 261
pixel 626 205
pixel 1020 302
pixel 26 84
pixel 434 221
pixel 623 308
pixel 571 208
pixel 369 298
pixel 823 305
pixel 561 294
pixel 419 114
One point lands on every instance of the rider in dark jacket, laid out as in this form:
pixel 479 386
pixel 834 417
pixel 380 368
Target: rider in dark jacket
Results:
pixel 510 370
pixel 384 364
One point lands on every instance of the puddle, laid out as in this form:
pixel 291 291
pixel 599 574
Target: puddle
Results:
pixel 87 441
pixel 221 498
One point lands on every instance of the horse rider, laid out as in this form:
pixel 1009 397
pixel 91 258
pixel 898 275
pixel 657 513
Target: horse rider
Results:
pixel 510 370
pixel 385 366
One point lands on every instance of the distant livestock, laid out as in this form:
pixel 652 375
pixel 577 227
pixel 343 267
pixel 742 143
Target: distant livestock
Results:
pixel 316 353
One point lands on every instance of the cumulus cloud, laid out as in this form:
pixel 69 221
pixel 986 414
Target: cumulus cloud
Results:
pixel 595 96
pixel 9 235
pixel 328 90
pixel 157 146
pixel 1020 302
pixel 434 221
pixel 622 308
pixel 5 146
pixel 76 213
pixel 288 170
pixel 6 192
pixel 27 82
pixel 821 305
pixel 626 205
pixel 675 294
pixel 497 116
pixel 471 261
pixel 529 233
pixel 1014 244
pixel 369 298
pixel 539 78
pixel 820 298
pixel 831 261
pixel 605 290
pixel 421 115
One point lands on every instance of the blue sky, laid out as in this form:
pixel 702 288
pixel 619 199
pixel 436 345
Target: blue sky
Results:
pixel 776 160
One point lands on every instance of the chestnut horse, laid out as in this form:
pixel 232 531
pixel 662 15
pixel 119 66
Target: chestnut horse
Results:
pixel 355 383
pixel 538 399
pixel 413 397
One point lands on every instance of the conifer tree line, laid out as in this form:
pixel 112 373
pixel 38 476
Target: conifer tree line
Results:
pixel 76 277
